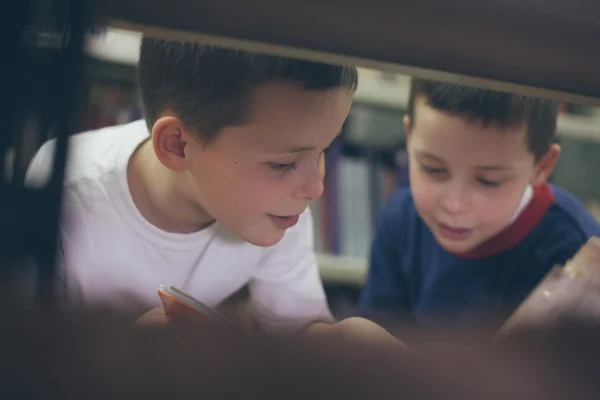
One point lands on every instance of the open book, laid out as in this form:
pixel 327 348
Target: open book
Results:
pixel 177 303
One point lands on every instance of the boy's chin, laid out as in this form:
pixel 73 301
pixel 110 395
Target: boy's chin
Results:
pixel 266 238
pixel 457 247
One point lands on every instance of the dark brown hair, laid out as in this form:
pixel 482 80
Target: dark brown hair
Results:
pixel 492 107
pixel 209 87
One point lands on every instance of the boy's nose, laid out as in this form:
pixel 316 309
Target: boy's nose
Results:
pixel 312 184
pixel 312 188
pixel 456 200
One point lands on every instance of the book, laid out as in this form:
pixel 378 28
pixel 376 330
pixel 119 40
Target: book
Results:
pixel 177 303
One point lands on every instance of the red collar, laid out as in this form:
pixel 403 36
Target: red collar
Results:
pixel 516 232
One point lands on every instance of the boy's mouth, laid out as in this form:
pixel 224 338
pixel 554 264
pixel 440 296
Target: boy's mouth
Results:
pixel 284 222
pixel 454 233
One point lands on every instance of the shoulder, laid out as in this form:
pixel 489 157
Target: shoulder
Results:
pixel 95 182
pixel 91 153
pixel 571 212
pixel 565 227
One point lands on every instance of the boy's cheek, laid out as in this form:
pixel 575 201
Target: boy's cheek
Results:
pixel 424 194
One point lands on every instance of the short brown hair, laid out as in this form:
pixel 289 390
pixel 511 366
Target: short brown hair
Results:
pixel 491 106
pixel 209 87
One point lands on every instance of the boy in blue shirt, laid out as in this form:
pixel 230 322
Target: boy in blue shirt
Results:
pixel 479 226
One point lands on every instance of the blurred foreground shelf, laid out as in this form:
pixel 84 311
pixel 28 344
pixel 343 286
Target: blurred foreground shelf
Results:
pixel 342 270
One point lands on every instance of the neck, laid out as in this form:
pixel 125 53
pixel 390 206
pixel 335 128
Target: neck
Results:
pixel 161 196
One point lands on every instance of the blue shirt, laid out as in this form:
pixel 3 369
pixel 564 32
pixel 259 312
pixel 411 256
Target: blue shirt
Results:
pixel 412 276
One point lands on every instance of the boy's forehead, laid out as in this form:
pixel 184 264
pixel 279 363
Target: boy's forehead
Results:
pixel 424 111
pixel 448 135
pixel 293 113
pixel 285 116
pixel 272 103
pixel 431 120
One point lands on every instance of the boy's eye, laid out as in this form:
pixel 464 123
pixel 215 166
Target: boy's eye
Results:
pixel 489 183
pixel 282 166
pixel 433 170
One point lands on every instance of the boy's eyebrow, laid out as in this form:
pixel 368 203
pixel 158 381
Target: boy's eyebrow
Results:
pixel 428 155
pixel 495 167
pixel 300 149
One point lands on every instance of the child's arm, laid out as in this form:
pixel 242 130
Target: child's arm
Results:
pixel 354 329
pixel 572 292
pixel 287 294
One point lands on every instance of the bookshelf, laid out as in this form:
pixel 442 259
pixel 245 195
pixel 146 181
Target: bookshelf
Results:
pixel 344 270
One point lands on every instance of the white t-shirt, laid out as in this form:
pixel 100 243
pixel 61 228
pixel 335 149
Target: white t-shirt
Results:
pixel 113 256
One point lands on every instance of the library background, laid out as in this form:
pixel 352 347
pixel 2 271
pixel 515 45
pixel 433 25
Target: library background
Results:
pixel 364 166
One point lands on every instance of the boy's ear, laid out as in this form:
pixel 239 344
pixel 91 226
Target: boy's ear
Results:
pixel 407 122
pixel 546 164
pixel 169 141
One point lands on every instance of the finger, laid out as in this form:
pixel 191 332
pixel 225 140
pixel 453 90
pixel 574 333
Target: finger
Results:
pixel 154 317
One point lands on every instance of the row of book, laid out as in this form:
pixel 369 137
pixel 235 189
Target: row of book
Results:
pixel 355 190
pixel 361 175
pixel 109 104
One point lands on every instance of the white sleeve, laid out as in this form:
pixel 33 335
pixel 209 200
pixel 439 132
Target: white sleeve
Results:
pixel 287 293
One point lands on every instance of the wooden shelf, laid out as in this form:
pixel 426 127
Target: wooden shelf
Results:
pixel 342 269
pixel 504 44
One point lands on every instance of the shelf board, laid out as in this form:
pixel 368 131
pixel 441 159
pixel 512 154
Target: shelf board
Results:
pixel 510 45
pixel 343 270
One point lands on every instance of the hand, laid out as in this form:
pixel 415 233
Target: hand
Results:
pixel 569 292
pixel 355 329
pixel 154 317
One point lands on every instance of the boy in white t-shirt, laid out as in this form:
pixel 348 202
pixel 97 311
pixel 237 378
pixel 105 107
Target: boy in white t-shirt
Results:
pixel 210 193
